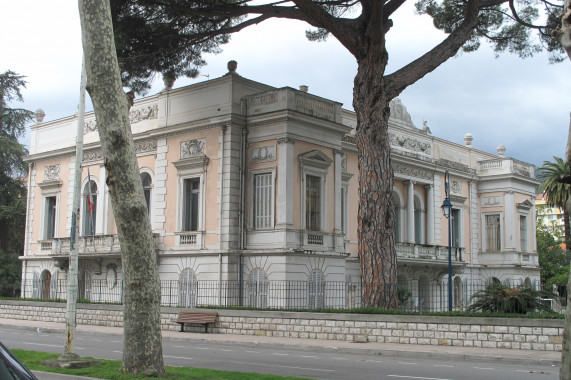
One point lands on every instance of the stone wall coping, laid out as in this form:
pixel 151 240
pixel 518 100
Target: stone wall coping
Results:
pixel 428 319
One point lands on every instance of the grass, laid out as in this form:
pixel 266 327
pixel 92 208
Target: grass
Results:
pixel 110 369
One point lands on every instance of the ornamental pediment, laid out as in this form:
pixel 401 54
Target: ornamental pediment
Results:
pixel 315 158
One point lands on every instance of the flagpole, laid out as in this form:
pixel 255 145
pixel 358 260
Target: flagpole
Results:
pixel 72 280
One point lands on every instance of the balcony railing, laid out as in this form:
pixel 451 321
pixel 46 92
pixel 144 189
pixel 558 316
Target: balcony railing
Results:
pixel 428 252
pixel 88 245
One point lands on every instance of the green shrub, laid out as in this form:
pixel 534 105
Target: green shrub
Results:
pixel 498 298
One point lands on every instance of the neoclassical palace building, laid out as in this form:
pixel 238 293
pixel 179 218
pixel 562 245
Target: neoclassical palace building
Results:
pixel 252 193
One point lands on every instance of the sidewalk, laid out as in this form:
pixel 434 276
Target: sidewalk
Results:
pixel 381 349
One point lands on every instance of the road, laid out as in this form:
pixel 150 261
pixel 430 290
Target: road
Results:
pixel 321 363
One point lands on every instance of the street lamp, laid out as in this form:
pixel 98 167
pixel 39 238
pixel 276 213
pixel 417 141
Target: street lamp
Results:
pixel 447 211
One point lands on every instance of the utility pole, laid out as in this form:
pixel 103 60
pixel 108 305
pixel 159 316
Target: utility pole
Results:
pixel 72 280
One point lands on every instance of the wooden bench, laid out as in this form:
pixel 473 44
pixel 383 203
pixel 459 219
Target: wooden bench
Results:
pixel 200 317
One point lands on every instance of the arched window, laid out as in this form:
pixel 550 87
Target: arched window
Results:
pixel 316 290
pixel 45 284
pixel 397 225
pixel 458 293
pixel 89 208
pixel 527 282
pixel 424 300
pixel 147 186
pixel 258 288
pixel 187 288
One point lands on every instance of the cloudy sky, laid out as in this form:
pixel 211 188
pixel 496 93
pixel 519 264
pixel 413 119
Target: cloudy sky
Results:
pixel 523 104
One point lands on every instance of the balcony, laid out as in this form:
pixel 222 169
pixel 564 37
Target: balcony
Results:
pixel 97 245
pixel 428 253
pixel 505 166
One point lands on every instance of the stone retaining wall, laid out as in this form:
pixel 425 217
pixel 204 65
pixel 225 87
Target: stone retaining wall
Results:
pixel 509 333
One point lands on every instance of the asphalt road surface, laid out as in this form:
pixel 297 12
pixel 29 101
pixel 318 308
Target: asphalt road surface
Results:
pixel 310 362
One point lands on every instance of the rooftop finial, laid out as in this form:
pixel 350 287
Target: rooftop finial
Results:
pixel 501 150
pixel 468 139
pixel 232 66
pixel 40 114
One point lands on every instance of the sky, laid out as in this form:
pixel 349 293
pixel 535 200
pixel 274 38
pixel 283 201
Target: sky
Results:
pixel 523 104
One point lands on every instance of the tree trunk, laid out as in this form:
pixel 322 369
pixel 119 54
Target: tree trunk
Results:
pixel 142 347
pixel 377 254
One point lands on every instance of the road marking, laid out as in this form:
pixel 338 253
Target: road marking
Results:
pixel 486 368
pixel 340 359
pixel 42 344
pixel 311 357
pixel 118 352
pixel 444 365
pixel 226 350
pixel 177 357
pixel 407 363
pixel 286 366
pixel 201 348
pixel 179 346
pixel 417 377
pixel 253 352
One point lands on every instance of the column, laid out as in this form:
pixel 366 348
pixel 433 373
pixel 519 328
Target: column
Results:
pixel 509 222
pixel 284 217
pixel 429 214
pixel 103 203
pixel 410 212
pixel 338 231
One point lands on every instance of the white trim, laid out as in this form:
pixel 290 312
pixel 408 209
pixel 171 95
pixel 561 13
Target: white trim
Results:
pixel 188 169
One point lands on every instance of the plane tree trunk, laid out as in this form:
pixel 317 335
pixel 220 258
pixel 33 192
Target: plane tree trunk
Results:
pixel 142 347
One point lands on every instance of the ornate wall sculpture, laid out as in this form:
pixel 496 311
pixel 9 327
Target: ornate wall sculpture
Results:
pixel 193 148
pixel 412 172
pixel 51 172
pixel 263 154
pixel 410 144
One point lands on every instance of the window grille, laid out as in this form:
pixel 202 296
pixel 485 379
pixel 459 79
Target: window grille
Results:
pixel 263 201
pixel 313 203
pixel 493 232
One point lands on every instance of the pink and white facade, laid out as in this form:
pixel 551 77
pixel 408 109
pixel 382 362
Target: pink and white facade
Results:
pixel 250 183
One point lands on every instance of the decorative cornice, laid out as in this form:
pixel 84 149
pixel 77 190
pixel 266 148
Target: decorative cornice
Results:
pixel 413 172
pixel 142 147
pixel 286 140
pixel 410 143
pixel 135 116
pixel 51 172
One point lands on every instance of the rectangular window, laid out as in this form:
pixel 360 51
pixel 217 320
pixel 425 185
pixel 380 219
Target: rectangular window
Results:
pixel 191 191
pixel 493 233
pixel 313 203
pixel 344 210
pixel 263 189
pixel 523 233
pixel 455 227
pixel 50 218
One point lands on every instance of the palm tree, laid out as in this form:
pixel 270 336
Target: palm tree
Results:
pixel 554 177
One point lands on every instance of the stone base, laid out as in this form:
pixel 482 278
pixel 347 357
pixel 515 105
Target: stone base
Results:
pixel 70 361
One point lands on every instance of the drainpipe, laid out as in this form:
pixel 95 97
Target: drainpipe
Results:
pixel 243 164
pixel 27 235
pixel 222 133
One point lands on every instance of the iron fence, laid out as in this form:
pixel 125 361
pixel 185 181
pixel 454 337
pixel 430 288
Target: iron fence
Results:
pixel 286 295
